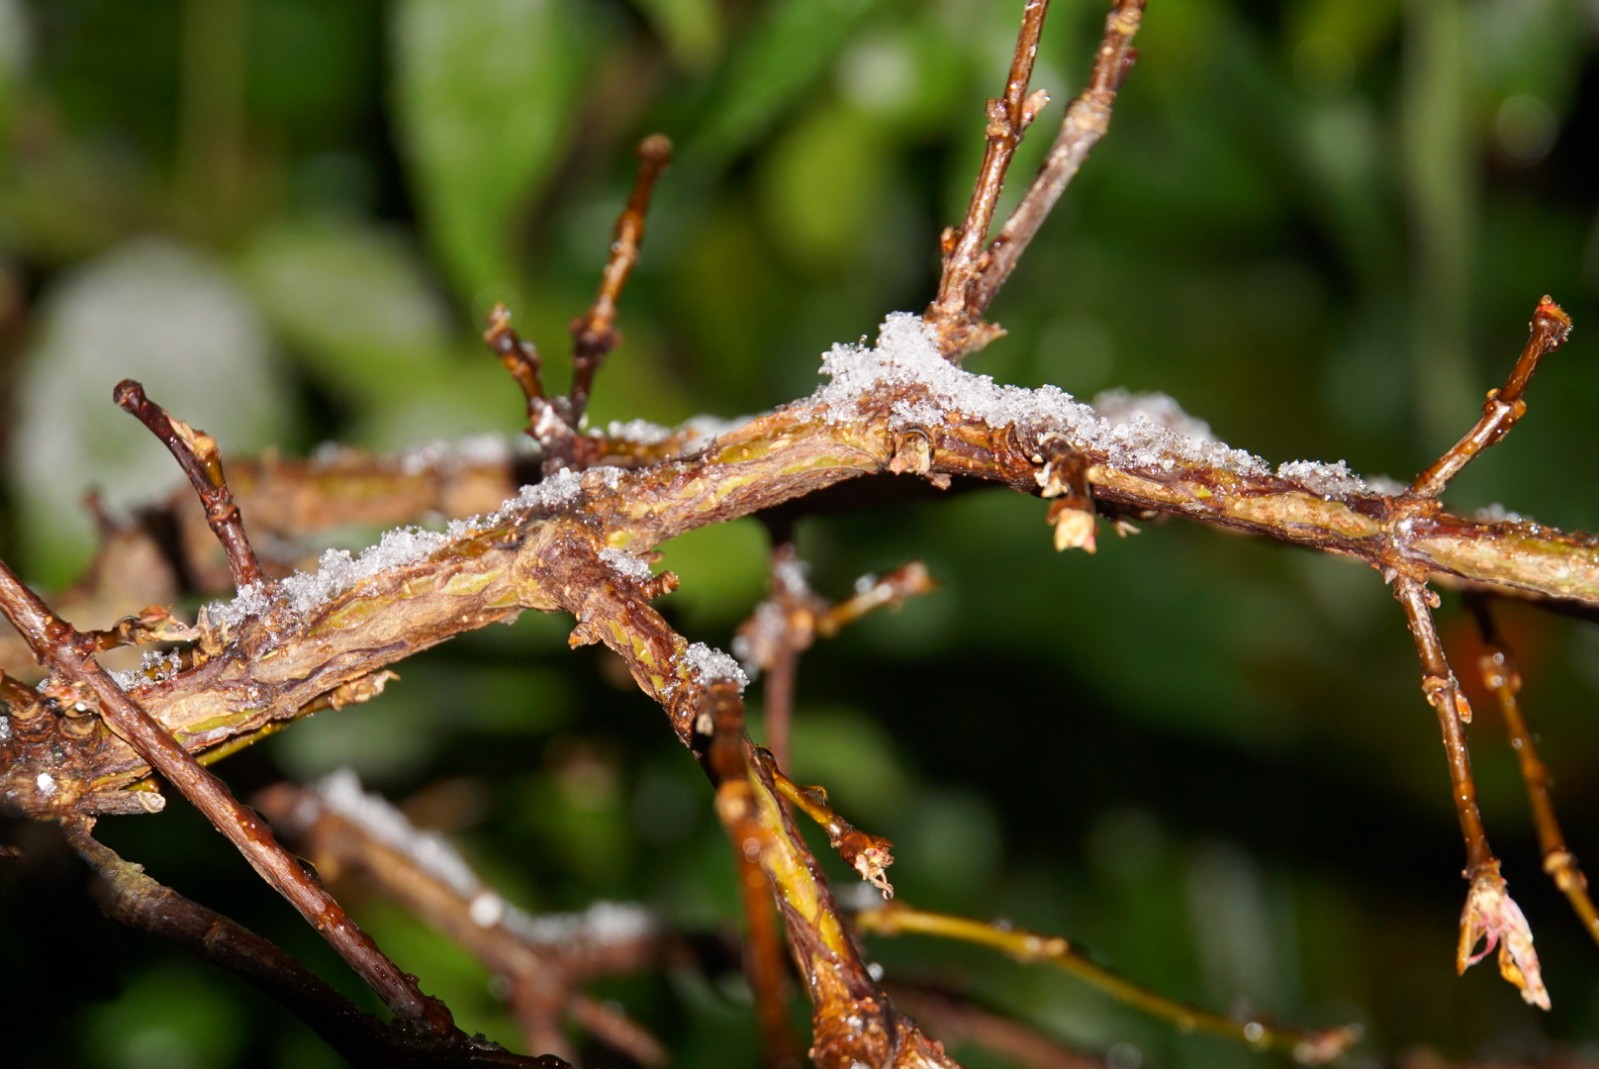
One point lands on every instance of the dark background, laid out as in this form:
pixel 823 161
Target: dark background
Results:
pixel 1321 226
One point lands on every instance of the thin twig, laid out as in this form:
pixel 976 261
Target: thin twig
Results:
pixel 521 358
pixel 876 592
pixel 1008 119
pixel 1309 1047
pixel 1549 327
pixel 343 828
pixel 728 762
pixel 65 651
pixel 155 623
pixel 852 1020
pixel 196 452
pixel 1490 915
pixel 130 897
pixel 1087 119
pixel 792 617
pixel 594 335
pixel 868 854
pixel 1502 677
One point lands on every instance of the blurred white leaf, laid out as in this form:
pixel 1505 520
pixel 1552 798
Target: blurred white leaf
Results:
pixel 149 310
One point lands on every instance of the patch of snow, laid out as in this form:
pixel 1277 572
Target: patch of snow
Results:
pixel 789 574
pixel 708 664
pixel 340 793
pixel 486 909
pixel 476 449
pixel 1497 513
pixel 338 570
pixel 1328 480
pixel 710 427
pixel 641 431
pixel 1124 406
pixel 1386 485
pixel 5 728
pixel 602 924
pixel 754 644
pixel 1156 435
pixel 694 429
pixel 626 564
pixel 154 667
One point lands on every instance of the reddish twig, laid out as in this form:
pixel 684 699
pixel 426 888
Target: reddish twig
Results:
pixel 1308 1047
pixel 545 422
pixel 196 452
pixel 1502 677
pixel 1490 916
pixel 1087 119
pixel 771 640
pixel 957 314
pixel 1009 116
pixel 594 335
pixel 1549 327
pixel 521 358
pixel 66 652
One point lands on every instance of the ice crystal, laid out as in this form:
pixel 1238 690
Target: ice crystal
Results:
pixel 626 564
pixel 1124 406
pixel 476 449
pixel 709 664
pixel 1328 480
pixel 154 666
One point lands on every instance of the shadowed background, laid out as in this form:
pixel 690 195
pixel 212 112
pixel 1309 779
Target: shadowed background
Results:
pixel 1321 227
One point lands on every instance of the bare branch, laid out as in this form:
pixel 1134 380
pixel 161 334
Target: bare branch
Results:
pixel 542 959
pixel 67 653
pixel 521 358
pixel 1008 118
pixel 868 854
pixel 196 452
pixel 1307 1047
pixel 1502 677
pixel 594 335
pixel 1490 913
pixel 132 898
pixel 1087 119
pixel 1549 327
pixel 727 760
pixel 972 276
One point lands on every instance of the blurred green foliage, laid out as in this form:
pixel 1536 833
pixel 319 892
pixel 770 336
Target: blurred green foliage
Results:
pixel 1321 226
